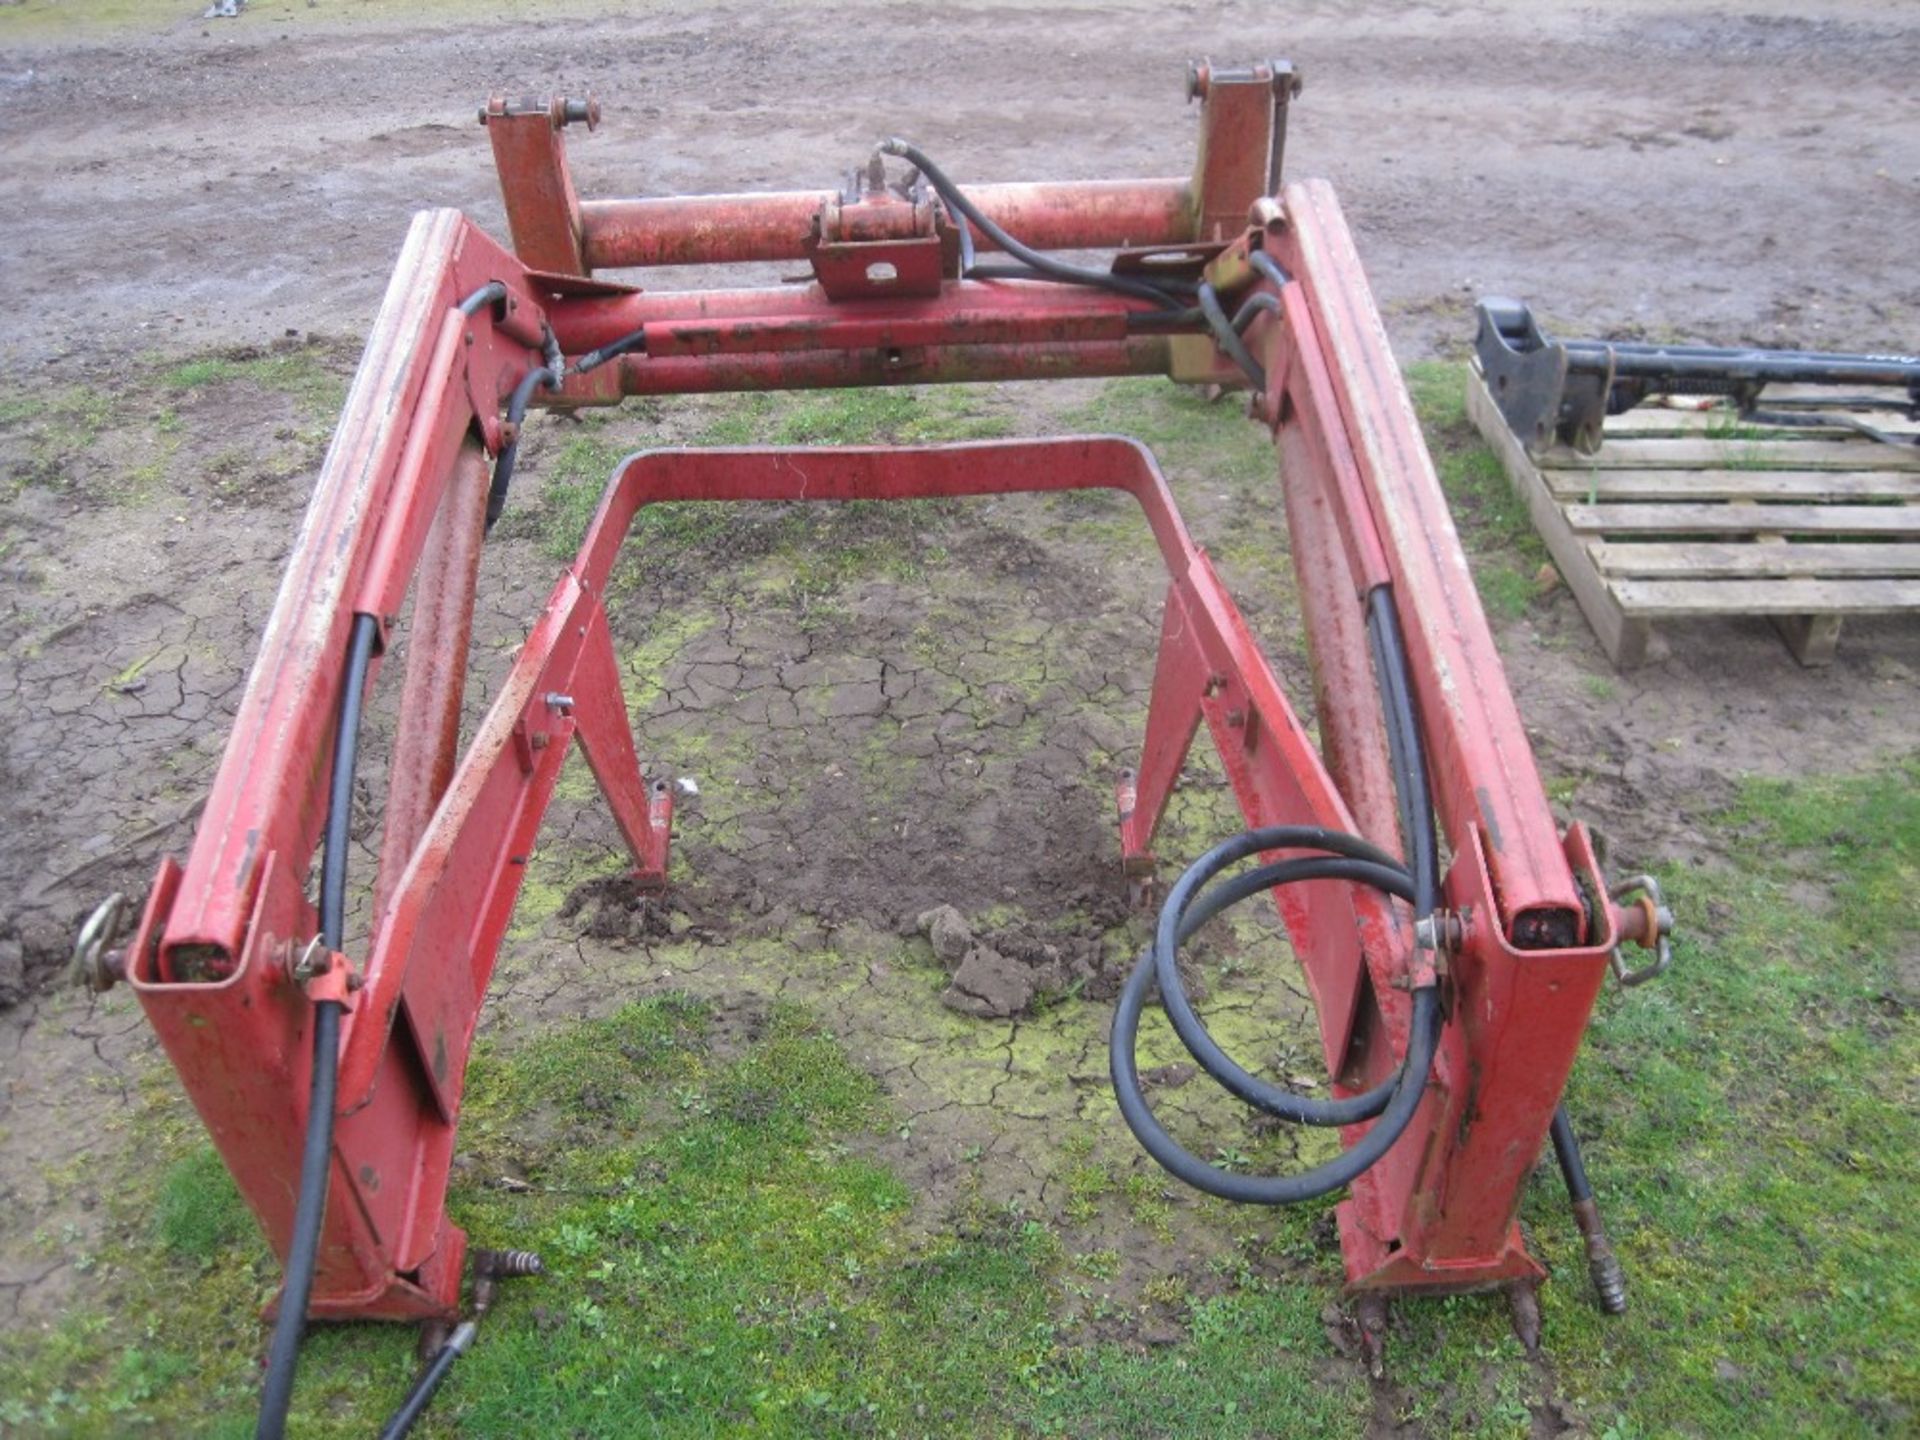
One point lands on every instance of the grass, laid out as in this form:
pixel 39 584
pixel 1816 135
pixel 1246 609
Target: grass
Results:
pixel 726 1259
pixel 826 545
pixel 306 373
pixel 123 440
pixel 1187 432
pixel 1492 520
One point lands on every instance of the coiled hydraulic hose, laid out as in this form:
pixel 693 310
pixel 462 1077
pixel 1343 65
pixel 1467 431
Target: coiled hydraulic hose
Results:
pixel 1403 1092
pixel 316 1159
pixel 1197 897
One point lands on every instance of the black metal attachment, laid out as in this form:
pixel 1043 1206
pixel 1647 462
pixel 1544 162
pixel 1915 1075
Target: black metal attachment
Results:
pixel 1550 389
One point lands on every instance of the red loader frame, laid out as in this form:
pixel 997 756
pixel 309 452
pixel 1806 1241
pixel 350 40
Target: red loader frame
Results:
pixel 223 960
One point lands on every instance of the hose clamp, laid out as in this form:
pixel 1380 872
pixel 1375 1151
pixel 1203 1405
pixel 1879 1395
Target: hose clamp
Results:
pixel 1649 924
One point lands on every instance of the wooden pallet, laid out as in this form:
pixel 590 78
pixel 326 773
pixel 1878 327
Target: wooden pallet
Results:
pixel 1683 512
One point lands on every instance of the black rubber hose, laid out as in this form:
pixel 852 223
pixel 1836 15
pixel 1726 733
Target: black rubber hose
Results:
pixel 1250 308
pixel 316 1159
pixel 491 293
pixel 417 1398
pixel 1566 1149
pixel 1183 913
pixel 1046 264
pixel 346 747
pixel 1258 304
pixel 516 412
pixel 625 345
pixel 1228 338
pixel 1410 764
pixel 1422 1042
pixel 1269 267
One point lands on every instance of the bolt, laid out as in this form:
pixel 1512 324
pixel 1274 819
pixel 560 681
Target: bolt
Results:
pixel 556 701
pixel 310 962
pixel 1199 78
pixel 1286 80
pixel 1370 1318
pixel 1440 932
pixel 1265 213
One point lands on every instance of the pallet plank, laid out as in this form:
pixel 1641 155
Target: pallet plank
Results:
pixel 1624 639
pixel 1707 560
pixel 1657 420
pixel 1688 453
pixel 1734 485
pixel 1741 518
pixel 1654 598
pixel 1885 394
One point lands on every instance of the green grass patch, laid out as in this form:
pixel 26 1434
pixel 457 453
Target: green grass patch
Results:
pixel 725 1259
pixel 1187 432
pixel 1752 1135
pixel 303 372
pixel 199 1212
pixel 57 426
pixel 1502 546
pixel 576 476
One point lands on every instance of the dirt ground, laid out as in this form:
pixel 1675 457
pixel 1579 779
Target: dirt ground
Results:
pixel 940 723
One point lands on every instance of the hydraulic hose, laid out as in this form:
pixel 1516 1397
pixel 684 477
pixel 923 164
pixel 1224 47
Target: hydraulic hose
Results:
pixel 1227 336
pixel 1407 753
pixel 1046 264
pixel 1269 267
pixel 417 1398
pixel 1196 897
pixel 316 1159
pixel 546 375
pixel 491 293
pixel 626 345
pixel 1603 1266
pixel 1180 916
pixel 1566 1149
pixel 1422 1042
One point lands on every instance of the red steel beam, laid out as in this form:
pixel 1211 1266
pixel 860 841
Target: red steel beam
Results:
pixel 923 365
pixel 427 746
pixel 773 226
pixel 1483 765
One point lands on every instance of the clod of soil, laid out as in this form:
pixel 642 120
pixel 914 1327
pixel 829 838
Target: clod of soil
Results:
pixel 1004 975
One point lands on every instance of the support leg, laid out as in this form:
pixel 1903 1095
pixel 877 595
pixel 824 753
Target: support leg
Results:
pixel 1173 715
pixel 1813 639
pixel 645 817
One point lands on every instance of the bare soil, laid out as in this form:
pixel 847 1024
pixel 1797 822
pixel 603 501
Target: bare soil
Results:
pixel 943 731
